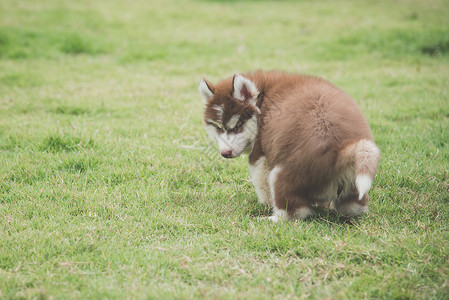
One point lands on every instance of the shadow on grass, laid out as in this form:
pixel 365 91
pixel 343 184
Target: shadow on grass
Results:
pixel 319 215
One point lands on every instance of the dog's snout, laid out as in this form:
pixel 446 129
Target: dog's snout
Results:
pixel 226 153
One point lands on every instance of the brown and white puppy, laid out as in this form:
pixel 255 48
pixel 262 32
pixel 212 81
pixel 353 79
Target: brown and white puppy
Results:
pixel 308 143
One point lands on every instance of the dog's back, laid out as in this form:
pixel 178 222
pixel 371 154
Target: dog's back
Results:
pixel 306 124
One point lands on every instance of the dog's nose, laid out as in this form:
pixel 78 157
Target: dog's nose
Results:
pixel 226 153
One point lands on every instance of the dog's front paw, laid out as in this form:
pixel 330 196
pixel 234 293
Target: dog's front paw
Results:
pixel 274 218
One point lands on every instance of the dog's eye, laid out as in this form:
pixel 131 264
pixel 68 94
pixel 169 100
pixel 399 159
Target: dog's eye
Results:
pixel 237 126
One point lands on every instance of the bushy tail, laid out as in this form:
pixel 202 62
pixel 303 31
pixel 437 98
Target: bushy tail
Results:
pixel 364 157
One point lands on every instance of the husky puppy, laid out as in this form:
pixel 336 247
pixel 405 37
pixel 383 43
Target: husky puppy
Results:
pixel 308 143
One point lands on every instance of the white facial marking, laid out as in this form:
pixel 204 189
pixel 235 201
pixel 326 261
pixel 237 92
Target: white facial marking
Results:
pixel 259 178
pixel 363 184
pixel 225 142
pixel 219 110
pixel 233 121
pixel 250 129
pixel 205 92
pixel 237 142
pixel 212 132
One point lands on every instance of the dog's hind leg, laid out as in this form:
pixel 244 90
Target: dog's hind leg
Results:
pixel 286 204
pixel 350 205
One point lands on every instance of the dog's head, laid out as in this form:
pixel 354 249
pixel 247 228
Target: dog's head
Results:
pixel 231 114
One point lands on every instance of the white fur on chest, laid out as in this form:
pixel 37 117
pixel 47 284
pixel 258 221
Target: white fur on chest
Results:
pixel 259 177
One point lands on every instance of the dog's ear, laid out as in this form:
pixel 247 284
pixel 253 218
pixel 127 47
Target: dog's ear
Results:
pixel 244 89
pixel 206 90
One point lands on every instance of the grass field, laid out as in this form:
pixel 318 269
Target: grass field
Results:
pixel 109 187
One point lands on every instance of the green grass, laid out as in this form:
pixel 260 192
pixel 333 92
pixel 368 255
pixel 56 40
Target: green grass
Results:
pixel 109 187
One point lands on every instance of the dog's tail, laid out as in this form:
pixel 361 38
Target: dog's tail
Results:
pixel 363 156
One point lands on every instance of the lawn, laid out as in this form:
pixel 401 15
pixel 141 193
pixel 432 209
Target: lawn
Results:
pixel 110 188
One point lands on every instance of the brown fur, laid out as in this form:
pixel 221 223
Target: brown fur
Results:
pixel 309 127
